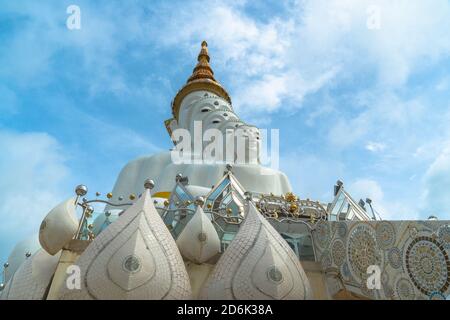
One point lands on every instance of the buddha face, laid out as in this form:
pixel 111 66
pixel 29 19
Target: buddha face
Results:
pixel 216 113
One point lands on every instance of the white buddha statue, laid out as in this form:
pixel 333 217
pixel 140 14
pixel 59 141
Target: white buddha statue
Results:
pixel 203 101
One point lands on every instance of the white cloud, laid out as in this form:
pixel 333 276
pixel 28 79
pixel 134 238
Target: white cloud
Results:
pixel 114 136
pixel 268 93
pixel 97 45
pixel 411 33
pixel 436 196
pixel 269 63
pixel 375 146
pixel 262 73
pixel 388 208
pixel 281 60
pixel 382 115
pixel 346 132
pixel 310 175
pixel 443 84
pixel 33 175
pixel 367 188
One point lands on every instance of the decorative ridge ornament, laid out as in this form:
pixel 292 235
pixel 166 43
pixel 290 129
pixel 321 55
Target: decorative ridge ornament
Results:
pixel 199 242
pixel 134 258
pixel 202 78
pixel 258 264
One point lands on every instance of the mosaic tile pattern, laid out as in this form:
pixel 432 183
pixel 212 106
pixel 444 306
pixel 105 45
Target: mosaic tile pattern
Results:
pixel 428 265
pixel 199 242
pixel 362 250
pixel 444 236
pixel 258 264
pixel 385 234
pixel 412 256
pixel 322 234
pixel 134 258
pixel 31 280
pixel 338 252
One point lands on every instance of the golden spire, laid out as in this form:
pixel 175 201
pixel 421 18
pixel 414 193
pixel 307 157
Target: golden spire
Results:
pixel 202 78
pixel 202 70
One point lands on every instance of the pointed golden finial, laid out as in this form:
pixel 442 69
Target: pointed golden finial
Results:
pixel 202 70
pixel 202 78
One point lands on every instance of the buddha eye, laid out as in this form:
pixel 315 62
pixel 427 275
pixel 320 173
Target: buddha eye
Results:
pixel 205 110
pixel 216 121
pixel 225 114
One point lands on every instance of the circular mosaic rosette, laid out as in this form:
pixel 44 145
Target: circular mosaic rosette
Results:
pixel 322 233
pixel 436 295
pixel 395 258
pixel 385 234
pixel 362 250
pixel 428 265
pixel 338 252
pixel 404 289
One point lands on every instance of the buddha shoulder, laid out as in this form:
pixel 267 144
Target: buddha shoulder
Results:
pixel 147 162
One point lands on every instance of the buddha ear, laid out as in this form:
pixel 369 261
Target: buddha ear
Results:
pixel 171 125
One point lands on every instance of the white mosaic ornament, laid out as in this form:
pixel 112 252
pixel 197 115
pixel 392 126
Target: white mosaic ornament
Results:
pixel 199 242
pixel 258 264
pixel 134 258
pixel 31 280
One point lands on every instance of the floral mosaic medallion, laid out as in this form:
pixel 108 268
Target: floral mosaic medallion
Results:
pixel 385 232
pixel 395 258
pixel 428 265
pixel 436 295
pixel 338 252
pixel 362 250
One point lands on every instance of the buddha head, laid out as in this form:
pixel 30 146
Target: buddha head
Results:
pixel 203 108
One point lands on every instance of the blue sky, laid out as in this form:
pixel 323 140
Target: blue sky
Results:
pixel 369 107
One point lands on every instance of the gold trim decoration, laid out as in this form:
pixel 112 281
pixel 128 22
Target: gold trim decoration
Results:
pixel 162 194
pixel 202 78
